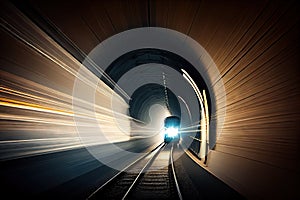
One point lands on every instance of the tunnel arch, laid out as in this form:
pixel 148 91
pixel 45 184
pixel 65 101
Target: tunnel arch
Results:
pixel 138 57
pixel 177 43
pixel 139 105
pixel 102 56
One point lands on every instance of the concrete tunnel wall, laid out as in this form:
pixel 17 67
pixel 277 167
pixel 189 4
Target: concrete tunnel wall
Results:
pixel 255 46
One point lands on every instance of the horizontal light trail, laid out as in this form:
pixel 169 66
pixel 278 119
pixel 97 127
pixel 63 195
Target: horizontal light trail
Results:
pixel 191 131
pixel 33 107
pixel 36 102
pixel 53 103
pixel 188 127
pixel 87 77
pixel 195 138
pixel 37 140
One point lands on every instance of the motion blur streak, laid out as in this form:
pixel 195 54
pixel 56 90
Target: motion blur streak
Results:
pixel 29 106
pixel 36 113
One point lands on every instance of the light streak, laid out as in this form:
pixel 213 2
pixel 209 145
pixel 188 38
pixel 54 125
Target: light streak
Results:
pixel 38 102
pixel 195 138
pixel 37 140
pixel 187 107
pixel 188 127
pixel 191 131
pixel 33 107
pixel 22 37
pixel 204 115
pixel 192 83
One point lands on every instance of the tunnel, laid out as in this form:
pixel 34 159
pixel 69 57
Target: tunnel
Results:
pixel 87 86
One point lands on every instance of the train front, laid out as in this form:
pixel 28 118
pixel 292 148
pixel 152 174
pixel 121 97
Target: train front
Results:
pixel 171 129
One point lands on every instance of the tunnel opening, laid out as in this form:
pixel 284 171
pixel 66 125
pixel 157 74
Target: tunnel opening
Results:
pixel 147 95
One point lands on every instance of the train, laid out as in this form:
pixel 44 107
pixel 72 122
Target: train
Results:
pixel 171 129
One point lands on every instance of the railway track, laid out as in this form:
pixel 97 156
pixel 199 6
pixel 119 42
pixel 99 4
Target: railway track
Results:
pixel 150 177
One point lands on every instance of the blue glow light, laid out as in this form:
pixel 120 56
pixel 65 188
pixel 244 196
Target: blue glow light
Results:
pixel 171 132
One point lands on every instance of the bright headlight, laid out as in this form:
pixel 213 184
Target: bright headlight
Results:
pixel 172 132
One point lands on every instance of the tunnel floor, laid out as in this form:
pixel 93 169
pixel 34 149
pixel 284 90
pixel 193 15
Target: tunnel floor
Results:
pixel 194 181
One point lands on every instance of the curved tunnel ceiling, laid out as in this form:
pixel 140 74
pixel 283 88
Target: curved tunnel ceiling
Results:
pixel 146 96
pixel 139 57
pixel 148 55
